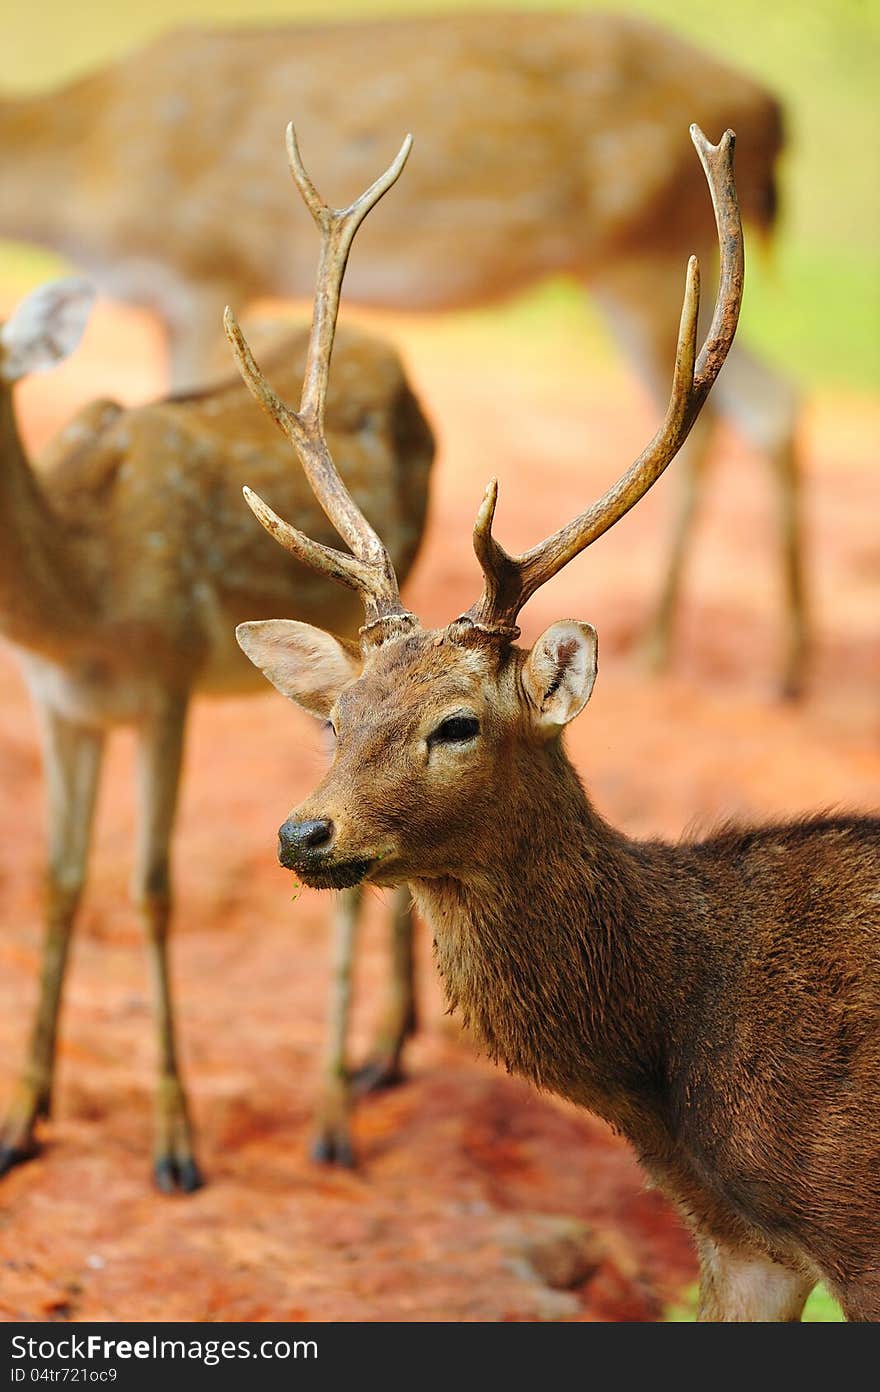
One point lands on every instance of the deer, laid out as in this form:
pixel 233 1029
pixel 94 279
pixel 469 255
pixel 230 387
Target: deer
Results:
pixel 717 1000
pixel 124 567
pixel 576 166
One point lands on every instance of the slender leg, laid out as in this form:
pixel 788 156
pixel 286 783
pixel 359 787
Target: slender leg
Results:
pixel 739 1287
pixel 692 465
pixel 72 758
pixel 639 299
pixel 332 1141
pixel 159 762
pixel 764 407
pixel 383 1068
pixel 796 609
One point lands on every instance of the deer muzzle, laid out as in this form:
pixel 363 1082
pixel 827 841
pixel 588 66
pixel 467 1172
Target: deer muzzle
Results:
pixel 307 847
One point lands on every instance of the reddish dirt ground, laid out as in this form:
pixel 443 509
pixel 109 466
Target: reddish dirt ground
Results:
pixel 456 1163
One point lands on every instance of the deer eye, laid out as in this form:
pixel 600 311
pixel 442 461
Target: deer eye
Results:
pixel 455 729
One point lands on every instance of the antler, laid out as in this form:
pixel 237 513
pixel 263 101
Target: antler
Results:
pixel 509 581
pixel 368 569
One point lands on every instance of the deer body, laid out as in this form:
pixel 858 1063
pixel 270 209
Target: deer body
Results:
pixel 562 153
pixel 718 1001
pixel 125 563
pixel 676 991
pixel 560 177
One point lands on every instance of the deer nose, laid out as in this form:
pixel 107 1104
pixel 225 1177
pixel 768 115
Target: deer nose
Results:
pixel 299 841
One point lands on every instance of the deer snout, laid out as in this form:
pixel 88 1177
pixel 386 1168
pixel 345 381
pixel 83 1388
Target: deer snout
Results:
pixel 302 843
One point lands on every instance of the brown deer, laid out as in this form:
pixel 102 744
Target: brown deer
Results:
pixel 125 564
pixel 716 1001
pixel 563 153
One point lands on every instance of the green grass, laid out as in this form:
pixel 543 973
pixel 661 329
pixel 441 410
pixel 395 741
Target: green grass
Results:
pixel 818 314
pixel 819 1309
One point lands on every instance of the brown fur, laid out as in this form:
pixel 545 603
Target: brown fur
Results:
pixel 138 513
pixel 565 148
pixel 717 1001
pixel 126 558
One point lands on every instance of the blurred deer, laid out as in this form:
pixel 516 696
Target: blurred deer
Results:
pixel 718 1002
pixel 125 564
pixel 563 152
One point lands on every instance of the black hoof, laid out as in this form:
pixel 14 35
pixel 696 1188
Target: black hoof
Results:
pixel 172 1176
pixel 10 1156
pixel 191 1177
pixel 327 1149
pixel 376 1075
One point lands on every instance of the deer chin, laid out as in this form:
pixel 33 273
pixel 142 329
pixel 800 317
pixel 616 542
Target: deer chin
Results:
pixel 343 874
pixel 384 874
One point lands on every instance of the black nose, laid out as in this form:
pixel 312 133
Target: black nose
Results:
pixel 298 841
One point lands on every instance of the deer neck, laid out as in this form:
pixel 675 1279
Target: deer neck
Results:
pixel 44 605
pixel 558 950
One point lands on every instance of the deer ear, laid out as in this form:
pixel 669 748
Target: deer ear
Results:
pixel 559 673
pixel 45 328
pixel 306 664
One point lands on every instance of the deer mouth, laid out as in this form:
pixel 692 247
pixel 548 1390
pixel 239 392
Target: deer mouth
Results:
pixel 342 874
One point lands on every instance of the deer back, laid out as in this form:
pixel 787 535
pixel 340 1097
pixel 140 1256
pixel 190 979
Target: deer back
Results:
pixel 574 130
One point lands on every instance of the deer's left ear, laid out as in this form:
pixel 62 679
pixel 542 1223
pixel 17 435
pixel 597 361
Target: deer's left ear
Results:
pixel 559 673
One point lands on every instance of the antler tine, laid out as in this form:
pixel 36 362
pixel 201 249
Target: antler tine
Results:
pixel 338 227
pixel 347 569
pixel 510 581
pixel 368 569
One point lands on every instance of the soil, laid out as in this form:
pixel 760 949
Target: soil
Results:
pixel 461 1163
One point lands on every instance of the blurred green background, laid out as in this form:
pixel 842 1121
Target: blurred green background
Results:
pixel 813 305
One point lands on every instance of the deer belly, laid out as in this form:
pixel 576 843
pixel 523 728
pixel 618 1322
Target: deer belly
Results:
pixel 88 692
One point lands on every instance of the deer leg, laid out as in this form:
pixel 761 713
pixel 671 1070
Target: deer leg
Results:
pixel 72 757
pixel 745 1286
pixel 638 299
pixel 332 1140
pixel 796 620
pixel 763 406
pixel 692 464
pixel 383 1068
pixel 159 763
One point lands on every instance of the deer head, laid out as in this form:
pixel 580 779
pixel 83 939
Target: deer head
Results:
pixel 434 729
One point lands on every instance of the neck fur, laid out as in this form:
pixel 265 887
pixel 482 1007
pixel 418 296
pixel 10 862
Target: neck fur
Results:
pixel 538 947
pixel 42 605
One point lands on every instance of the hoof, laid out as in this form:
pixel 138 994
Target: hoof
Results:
pixel 377 1075
pixel 10 1156
pixel 173 1176
pixel 792 689
pixel 330 1149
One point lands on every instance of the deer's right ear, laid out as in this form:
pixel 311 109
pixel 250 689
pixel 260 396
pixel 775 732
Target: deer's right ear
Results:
pixel 304 663
pixel 45 328
pixel 559 673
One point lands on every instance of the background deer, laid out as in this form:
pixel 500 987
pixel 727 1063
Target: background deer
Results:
pixel 124 565
pixel 716 1001
pixel 563 153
